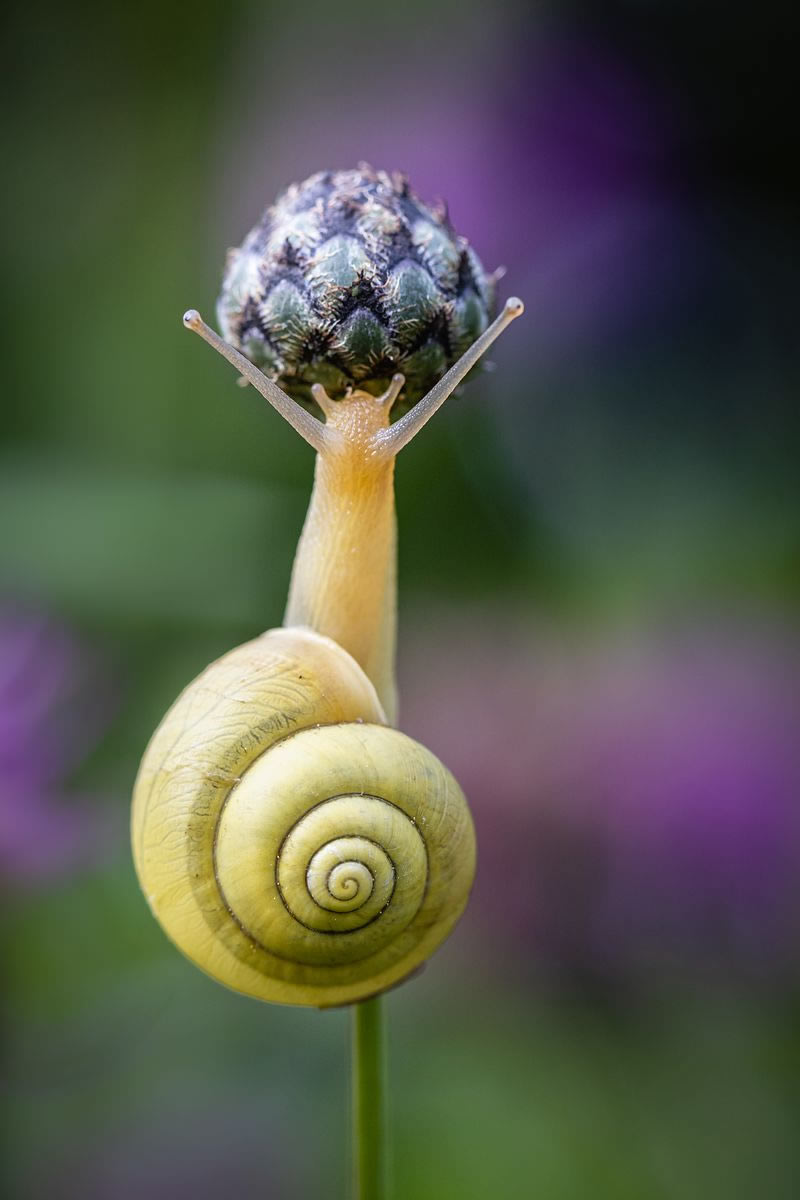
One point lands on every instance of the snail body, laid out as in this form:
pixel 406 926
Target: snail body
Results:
pixel 343 581
pixel 290 842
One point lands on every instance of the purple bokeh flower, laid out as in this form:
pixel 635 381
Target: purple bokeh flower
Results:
pixel 634 805
pixel 54 705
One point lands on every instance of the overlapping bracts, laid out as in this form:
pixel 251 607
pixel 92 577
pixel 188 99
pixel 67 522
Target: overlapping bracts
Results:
pixel 349 278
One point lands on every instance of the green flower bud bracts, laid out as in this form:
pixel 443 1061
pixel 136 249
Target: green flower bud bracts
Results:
pixel 349 278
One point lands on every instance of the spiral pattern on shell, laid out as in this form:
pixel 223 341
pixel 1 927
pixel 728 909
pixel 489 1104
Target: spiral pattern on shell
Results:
pixel 289 842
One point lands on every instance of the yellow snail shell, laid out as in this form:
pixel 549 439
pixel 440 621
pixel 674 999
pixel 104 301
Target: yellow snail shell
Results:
pixel 290 843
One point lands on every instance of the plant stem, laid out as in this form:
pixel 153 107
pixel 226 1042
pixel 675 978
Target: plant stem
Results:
pixel 368 1099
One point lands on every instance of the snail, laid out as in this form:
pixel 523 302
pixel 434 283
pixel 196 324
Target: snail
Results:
pixel 290 841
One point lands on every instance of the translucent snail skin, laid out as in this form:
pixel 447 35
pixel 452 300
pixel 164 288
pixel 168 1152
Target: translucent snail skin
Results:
pixel 291 842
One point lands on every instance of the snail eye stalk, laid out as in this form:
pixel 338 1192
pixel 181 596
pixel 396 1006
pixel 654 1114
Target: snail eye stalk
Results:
pixel 402 432
pixel 309 428
pixel 391 440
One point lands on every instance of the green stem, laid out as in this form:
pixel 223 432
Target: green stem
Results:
pixel 368 1099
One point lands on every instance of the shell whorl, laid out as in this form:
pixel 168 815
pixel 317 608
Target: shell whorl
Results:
pixel 289 842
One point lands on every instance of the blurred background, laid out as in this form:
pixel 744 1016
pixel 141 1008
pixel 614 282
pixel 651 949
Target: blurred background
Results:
pixel 599 585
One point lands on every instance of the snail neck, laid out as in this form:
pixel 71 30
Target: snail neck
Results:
pixel 343 580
